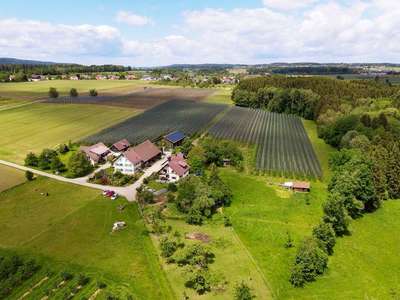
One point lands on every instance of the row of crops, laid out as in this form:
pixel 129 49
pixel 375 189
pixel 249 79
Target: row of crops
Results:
pixel 189 117
pixel 283 146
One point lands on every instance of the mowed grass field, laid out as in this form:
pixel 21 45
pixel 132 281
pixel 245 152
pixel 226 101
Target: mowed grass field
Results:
pixel 232 264
pixel 10 177
pixel 264 215
pixel 70 229
pixel 35 90
pixel 37 126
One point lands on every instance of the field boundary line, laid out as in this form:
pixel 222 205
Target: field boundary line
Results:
pixel 254 262
pixel 21 105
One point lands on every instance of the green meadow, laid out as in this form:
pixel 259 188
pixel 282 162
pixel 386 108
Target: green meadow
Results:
pixel 70 230
pixel 40 89
pixel 37 126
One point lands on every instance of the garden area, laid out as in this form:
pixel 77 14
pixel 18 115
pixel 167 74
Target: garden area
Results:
pixel 110 177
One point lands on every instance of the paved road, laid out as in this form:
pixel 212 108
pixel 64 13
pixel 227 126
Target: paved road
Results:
pixel 129 192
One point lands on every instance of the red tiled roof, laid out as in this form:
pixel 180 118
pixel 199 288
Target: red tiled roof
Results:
pixel 178 164
pixel 132 156
pixel 146 151
pixel 121 145
pixel 301 185
pixel 99 149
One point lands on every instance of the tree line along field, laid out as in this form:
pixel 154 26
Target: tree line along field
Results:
pixel 189 117
pixel 37 126
pixel 282 143
pixel 70 231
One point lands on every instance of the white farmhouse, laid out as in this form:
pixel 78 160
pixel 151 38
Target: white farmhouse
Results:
pixel 176 169
pixel 137 157
pixel 128 163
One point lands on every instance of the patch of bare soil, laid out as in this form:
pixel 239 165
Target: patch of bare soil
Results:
pixel 140 99
pixel 198 236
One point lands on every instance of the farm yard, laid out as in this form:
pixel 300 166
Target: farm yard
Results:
pixel 189 117
pixel 142 98
pixel 283 146
pixel 37 126
pixel 70 231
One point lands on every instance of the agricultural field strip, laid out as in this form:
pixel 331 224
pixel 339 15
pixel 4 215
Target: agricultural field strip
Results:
pixel 187 116
pixel 283 144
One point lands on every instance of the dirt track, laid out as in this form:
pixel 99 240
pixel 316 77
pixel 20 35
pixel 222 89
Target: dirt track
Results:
pixel 142 99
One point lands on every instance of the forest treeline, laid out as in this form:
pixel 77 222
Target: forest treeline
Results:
pixel 359 118
pixel 22 71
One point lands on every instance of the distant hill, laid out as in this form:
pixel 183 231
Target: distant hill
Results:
pixel 16 61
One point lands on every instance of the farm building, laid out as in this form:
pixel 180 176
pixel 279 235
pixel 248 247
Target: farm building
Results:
pixel 297 186
pixel 174 139
pixel 176 168
pixel 120 146
pixel 137 157
pixel 96 153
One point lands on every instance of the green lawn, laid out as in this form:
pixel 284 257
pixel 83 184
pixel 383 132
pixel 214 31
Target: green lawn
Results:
pixel 366 264
pixel 232 262
pixel 71 228
pixel 10 177
pixel 221 96
pixel 37 126
pixel 34 90
pixel 263 215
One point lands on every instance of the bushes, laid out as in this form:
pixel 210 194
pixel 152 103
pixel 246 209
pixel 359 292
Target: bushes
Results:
pixel 13 272
pixel 29 175
pixel 47 160
pixel 31 160
pixel 53 93
pixel 78 165
pixel 199 198
pixel 243 292
pixel 325 236
pixel 310 262
pixel 93 93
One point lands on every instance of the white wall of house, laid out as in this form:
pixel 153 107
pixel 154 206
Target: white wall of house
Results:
pixel 172 176
pixel 125 166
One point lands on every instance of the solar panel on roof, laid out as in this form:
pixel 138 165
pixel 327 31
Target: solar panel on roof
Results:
pixel 175 136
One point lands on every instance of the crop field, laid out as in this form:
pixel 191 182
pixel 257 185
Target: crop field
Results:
pixel 187 116
pixel 283 145
pixel 142 98
pixel 35 90
pixel 37 126
pixel 10 177
pixel 70 230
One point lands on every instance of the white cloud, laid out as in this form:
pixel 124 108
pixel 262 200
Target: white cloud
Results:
pixel 330 31
pixel 25 38
pixel 288 4
pixel 132 19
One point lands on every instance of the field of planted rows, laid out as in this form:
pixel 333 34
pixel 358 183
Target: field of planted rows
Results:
pixel 282 143
pixel 186 116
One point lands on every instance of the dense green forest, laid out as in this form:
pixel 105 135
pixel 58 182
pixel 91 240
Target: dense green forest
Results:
pixel 362 120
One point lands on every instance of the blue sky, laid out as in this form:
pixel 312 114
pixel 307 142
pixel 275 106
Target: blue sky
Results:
pixel 148 33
